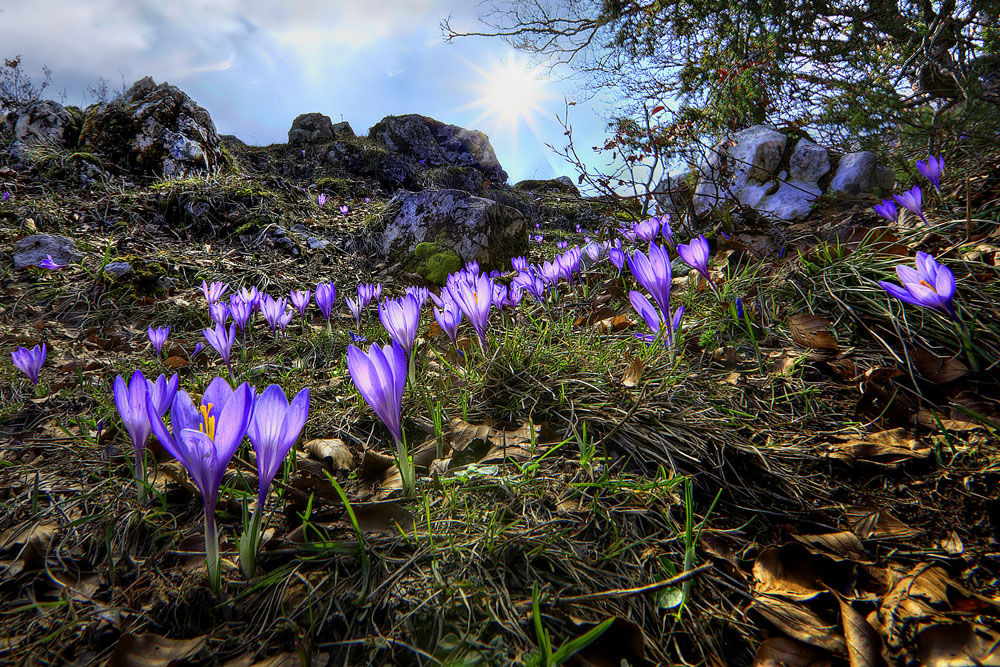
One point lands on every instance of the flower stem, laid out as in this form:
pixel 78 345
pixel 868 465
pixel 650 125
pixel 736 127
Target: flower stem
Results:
pixel 965 334
pixel 406 469
pixel 140 475
pixel 212 550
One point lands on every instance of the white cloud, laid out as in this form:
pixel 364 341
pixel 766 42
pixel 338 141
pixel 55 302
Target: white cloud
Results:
pixel 173 40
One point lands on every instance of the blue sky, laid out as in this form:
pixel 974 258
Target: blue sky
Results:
pixel 256 64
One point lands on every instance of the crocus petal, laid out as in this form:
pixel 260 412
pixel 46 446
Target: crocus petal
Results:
pixel 231 425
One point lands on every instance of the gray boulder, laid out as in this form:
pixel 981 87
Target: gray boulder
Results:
pixel 750 158
pixel 31 250
pixel 473 227
pixel 310 128
pixel 859 172
pixel 41 122
pixel 342 130
pixel 438 144
pixel 154 128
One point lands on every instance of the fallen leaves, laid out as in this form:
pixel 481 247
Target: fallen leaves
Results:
pixel 813 331
pixel 889 449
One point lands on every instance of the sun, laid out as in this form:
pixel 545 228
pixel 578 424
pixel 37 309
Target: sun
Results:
pixel 508 95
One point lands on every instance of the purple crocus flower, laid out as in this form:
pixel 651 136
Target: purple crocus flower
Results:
pixel 401 317
pixel 561 245
pixel 222 341
pixel 50 264
pixel 653 273
pixel 421 294
pixel 6 196
pixel 475 300
pixel 932 170
pixel 240 309
pixel 538 238
pixel 654 318
pixel 204 439
pixel 273 429
pixel 214 291
pixel 300 299
pixel 158 337
pixel 579 229
pixel 696 254
pixel 284 319
pixel 529 282
pixel 251 296
pixel 326 293
pixel 380 376
pixel 354 305
pixel 912 200
pixel 448 317
pixel 617 257
pixel 739 308
pixel 665 231
pixel 30 361
pixel 345 210
pixel 593 252
pixel 303 154
pixel 519 263
pixel 887 209
pixel 197 349
pixel 130 399
pixel 272 309
pixel 514 295
pixel 357 338
pixel 499 295
pixel 219 312
pixel 647 229
pixel 321 199
pixel 930 285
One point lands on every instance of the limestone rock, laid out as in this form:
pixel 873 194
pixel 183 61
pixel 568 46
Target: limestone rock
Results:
pixel 672 193
pixel 809 162
pixel 342 129
pixel 31 250
pixel 752 155
pixel 154 128
pixel 438 144
pixel 311 128
pixel 381 164
pixel 117 269
pixel 42 122
pixel 560 185
pixel 855 173
pixel 473 227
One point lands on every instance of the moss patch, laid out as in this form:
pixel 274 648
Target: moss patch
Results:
pixel 434 262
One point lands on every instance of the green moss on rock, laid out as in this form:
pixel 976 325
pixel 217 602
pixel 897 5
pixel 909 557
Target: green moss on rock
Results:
pixel 437 267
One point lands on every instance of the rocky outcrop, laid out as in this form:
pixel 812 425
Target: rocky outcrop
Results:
pixel 311 128
pixel 42 122
pixel 31 250
pixel 473 227
pixel 389 169
pixel 560 185
pixel 154 128
pixel 437 144
pixel 778 176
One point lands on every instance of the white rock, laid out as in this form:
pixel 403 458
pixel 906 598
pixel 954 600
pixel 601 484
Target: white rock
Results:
pixel 809 162
pixel 855 173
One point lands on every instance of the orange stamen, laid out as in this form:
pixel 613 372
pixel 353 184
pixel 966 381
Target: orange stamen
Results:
pixel 208 421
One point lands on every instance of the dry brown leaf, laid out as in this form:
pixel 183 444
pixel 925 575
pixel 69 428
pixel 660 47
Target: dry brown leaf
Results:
pixel 935 422
pixel 864 646
pixel 152 650
pixel 382 517
pixel 331 451
pixel 939 370
pixel 633 370
pixel 875 524
pixel 959 645
pixel 926 597
pixel 787 572
pixel 839 546
pixel 812 331
pixel 786 652
pixel 176 362
pixel 30 541
pixel 801 622
pixel 889 448
pixel 460 434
